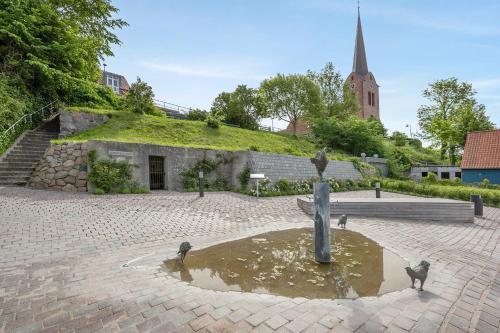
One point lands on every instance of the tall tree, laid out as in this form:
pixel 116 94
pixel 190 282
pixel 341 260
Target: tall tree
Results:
pixel 337 99
pixel 54 47
pixel 452 113
pixel 291 97
pixel 241 107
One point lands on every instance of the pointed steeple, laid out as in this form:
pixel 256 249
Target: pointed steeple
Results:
pixel 359 64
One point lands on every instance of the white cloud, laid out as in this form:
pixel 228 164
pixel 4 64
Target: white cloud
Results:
pixel 207 71
pixel 486 83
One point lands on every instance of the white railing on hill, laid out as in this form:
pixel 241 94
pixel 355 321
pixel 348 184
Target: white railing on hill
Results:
pixel 172 106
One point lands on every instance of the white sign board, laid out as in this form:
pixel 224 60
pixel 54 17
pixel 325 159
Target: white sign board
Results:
pixel 257 176
pixel 121 153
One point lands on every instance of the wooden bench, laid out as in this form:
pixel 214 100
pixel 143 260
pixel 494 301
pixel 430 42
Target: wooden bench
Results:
pixel 425 209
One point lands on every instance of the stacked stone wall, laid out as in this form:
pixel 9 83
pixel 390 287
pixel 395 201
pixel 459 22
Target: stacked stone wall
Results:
pixel 63 168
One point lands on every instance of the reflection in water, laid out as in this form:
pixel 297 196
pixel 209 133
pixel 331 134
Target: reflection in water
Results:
pixel 282 263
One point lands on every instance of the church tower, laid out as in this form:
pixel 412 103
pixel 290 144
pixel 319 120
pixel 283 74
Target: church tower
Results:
pixel 361 81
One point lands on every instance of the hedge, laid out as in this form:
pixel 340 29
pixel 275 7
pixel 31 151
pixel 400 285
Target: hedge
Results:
pixel 491 197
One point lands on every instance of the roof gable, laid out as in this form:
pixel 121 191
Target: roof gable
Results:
pixel 482 150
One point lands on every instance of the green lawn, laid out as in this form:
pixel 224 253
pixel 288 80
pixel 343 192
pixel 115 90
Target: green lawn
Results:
pixel 125 126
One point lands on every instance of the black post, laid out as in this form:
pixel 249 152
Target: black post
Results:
pixel 377 190
pixel 478 204
pixel 202 184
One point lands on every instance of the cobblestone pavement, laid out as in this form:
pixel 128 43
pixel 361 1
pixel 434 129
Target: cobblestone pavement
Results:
pixel 82 263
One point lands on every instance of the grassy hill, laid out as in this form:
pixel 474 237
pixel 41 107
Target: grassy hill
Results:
pixel 126 126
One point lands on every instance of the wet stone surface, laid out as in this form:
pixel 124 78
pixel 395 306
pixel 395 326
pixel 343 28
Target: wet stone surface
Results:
pixel 282 263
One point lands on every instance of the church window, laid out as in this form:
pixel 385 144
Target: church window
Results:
pixel 373 99
pixel 369 98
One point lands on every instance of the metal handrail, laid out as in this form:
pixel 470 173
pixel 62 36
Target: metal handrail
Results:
pixel 29 115
pixel 172 106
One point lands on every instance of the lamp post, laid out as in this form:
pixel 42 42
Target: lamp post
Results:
pixel 104 65
pixel 411 134
pixel 202 184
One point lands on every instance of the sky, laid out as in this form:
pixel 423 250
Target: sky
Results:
pixel 191 50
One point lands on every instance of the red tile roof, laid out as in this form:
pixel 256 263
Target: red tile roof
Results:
pixel 482 150
pixel 302 128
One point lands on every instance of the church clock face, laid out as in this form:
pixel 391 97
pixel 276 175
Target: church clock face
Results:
pixel 353 86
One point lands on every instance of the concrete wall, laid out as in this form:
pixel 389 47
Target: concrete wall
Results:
pixel 378 162
pixel 416 172
pixel 477 175
pixel 177 159
pixel 75 122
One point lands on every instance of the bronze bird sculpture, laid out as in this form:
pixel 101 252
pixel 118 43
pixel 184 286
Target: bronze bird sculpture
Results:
pixel 183 250
pixel 342 221
pixel 418 273
pixel 320 161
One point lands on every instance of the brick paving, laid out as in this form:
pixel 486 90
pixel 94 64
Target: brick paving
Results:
pixel 82 263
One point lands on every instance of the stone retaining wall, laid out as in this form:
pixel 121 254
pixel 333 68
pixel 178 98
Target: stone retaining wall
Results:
pixel 63 168
pixel 75 122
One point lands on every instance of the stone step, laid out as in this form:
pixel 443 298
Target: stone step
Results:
pixel 17 168
pixel 28 151
pixel 16 173
pixel 13 182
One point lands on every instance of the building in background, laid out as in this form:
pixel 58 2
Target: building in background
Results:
pixel 361 81
pixel 482 157
pixel 118 83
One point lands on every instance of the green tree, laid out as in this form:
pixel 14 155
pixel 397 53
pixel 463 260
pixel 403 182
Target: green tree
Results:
pixel 53 47
pixel 291 97
pixel 242 107
pixel 452 113
pixel 399 138
pixel 352 135
pixel 140 98
pixel 337 99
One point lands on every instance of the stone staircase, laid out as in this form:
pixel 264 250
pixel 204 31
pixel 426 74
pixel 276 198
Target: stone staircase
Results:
pixel 20 160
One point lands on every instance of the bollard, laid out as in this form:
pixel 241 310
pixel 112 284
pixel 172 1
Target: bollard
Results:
pixel 478 204
pixel 377 190
pixel 202 184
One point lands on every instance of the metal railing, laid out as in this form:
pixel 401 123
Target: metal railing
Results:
pixel 25 122
pixel 171 106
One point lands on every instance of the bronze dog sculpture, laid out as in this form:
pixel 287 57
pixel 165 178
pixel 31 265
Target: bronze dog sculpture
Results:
pixel 342 221
pixel 418 273
pixel 183 250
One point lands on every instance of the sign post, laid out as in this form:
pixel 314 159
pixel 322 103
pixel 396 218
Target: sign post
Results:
pixel 257 176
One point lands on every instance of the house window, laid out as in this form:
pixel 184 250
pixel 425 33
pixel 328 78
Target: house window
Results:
pixel 458 174
pixel 424 174
pixel 445 175
pixel 113 83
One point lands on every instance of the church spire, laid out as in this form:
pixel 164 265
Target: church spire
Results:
pixel 359 64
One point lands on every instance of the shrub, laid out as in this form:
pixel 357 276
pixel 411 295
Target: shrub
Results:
pixel 220 183
pixel 431 178
pixel 353 135
pixel 244 178
pixel 490 197
pixel 485 183
pixel 197 114
pixel 254 148
pixel 140 98
pixel 213 122
pixel 110 176
pixel 99 191
pixel 399 138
